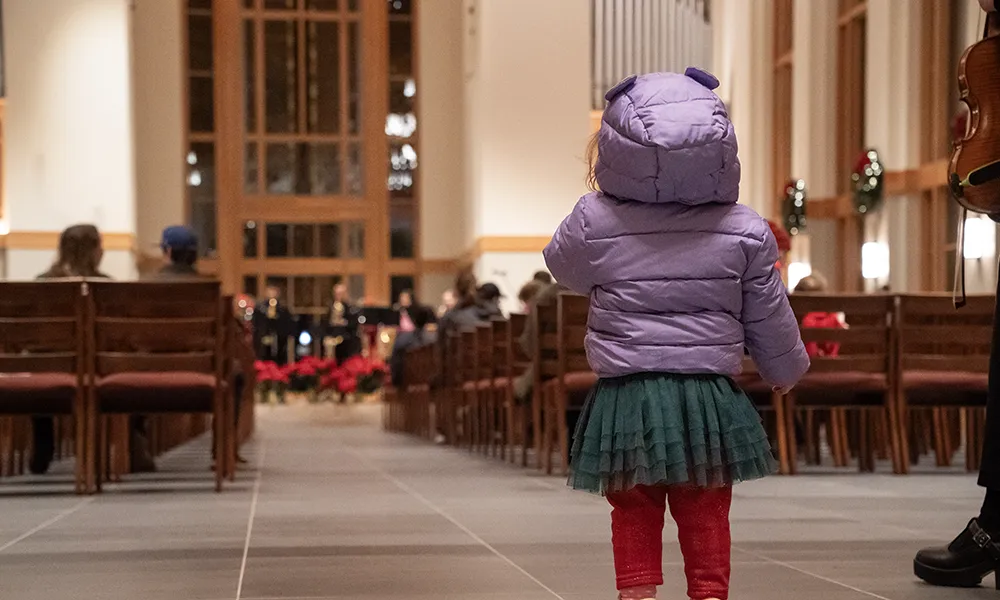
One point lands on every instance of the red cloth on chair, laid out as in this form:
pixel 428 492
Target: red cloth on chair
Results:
pixel 822 320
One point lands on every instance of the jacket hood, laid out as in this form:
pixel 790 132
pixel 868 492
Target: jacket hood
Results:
pixel 666 137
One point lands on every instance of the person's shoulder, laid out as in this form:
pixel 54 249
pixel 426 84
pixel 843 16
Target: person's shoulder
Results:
pixel 744 221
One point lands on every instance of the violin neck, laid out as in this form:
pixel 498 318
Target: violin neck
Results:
pixel 992 26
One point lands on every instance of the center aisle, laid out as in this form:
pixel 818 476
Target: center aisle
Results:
pixel 353 512
pixel 341 510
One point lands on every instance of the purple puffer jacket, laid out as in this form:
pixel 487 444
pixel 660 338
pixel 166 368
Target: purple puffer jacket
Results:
pixel 680 276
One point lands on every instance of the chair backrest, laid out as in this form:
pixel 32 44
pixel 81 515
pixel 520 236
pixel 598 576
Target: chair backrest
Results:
pixel 158 327
pixel 502 347
pixel 518 323
pixel 43 327
pixel 469 356
pixel 484 351
pixel 866 345
pixel 452 358
pixel 573 311
pixel 933 336
pixel 546 342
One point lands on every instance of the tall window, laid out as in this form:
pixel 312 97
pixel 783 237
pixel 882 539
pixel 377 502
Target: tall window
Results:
pixel 402 130
pixel 201 141
pixel 322 170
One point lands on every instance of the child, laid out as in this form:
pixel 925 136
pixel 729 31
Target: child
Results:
pixel 680 277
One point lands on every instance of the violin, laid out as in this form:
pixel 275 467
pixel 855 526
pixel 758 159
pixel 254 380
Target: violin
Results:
pixel 974 170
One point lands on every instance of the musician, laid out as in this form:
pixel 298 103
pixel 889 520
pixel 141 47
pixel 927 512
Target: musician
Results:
pixel 272 327
pixel 976 551
pixel 342 326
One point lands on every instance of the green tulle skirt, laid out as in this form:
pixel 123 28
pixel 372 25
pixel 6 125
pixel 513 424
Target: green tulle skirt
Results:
pixel 668 429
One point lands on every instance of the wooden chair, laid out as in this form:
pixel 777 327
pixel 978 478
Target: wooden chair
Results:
pixel 518 421
pixel 859 377
pixel 160 348
pixel 450 397
pixel 573 373
pixel 503 392
pixel 486 400
pixel 43 338
pixel 943 363
pixel 545 364
pixel 468 375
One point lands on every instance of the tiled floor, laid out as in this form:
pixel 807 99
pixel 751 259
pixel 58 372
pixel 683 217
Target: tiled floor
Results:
pixel 341 510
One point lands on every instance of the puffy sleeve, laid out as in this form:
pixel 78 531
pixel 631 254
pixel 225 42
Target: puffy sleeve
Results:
pixel 567 254
pixel 772 332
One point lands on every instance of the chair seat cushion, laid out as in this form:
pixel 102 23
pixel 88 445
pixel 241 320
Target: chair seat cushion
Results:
pixel 945 381
pixel 156 392
pixel 469 386
pixel 501 382
pixel 37 393
pixel 484 384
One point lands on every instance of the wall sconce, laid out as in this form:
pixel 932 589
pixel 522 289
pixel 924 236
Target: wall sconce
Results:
pixel 874 260
pixel 980 238
pixel 797 271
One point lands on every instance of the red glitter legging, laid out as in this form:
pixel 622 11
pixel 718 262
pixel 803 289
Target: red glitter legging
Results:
pixel 702 517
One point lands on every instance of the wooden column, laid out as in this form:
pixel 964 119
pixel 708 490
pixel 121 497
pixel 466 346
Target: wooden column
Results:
pixel 228 88
pixel 374 107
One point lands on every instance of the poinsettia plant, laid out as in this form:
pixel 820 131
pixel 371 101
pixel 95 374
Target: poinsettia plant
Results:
pixel 313 375
pixel 357 374
pixel 271 378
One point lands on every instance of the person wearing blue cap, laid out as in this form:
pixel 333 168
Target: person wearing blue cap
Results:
pixel 180 252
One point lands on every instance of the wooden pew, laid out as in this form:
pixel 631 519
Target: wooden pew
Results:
pixel 518 421
pixel 43 337
pixel 860 376
pixel 573 375
pixel 159 348
pixel 943 364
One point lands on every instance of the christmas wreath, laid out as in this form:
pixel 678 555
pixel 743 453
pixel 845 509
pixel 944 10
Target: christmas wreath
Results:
pixel 867 181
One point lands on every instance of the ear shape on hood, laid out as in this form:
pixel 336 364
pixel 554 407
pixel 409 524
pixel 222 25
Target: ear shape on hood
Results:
pixel 622 86
pixel 703 77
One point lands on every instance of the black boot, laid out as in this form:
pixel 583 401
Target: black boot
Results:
pixel 974 554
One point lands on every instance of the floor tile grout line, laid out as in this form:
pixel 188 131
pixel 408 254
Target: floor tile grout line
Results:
pixel 802 571
pixel 46 524
pixel 440 511
pixel 779 563
pixel 250 519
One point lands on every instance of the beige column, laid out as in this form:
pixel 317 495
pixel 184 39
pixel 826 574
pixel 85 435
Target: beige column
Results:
pixel 158 85
pixel 444 225
pixel 892 126
pixel 814 116
pixel 743 46
pixel 527 69
pixel 68 139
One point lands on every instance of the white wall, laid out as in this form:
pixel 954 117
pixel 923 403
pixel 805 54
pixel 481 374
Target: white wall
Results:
pixel 158 78
pixel 68 136
pixel 441 126
pixel 68 155
pixel 528 119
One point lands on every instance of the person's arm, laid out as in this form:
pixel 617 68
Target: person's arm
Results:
pixel 566 255
pixel 772 333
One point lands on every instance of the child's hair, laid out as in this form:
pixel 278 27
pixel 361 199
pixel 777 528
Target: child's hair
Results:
pixel 813 284
pixel 592 163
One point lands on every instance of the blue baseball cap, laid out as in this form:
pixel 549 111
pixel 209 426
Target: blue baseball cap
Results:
pixel 179 237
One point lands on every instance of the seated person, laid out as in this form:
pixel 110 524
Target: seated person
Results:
pixel 407 340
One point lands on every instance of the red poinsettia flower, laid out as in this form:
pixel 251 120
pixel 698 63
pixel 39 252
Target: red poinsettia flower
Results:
pixel 347 384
